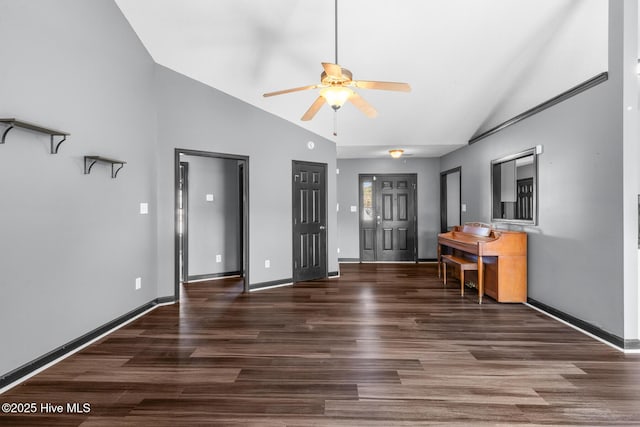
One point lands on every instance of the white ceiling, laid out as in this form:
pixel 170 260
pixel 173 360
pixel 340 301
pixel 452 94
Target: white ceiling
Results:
pixel 472 64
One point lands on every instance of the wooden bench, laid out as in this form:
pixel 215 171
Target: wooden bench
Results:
pixel 463 265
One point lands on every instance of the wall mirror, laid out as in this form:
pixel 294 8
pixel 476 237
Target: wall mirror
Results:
pixel 514 182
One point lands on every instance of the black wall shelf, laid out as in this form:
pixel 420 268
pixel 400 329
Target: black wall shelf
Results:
pixel 89 161
pixel 15 123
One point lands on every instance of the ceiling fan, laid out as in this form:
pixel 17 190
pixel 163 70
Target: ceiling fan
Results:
pixel 336 86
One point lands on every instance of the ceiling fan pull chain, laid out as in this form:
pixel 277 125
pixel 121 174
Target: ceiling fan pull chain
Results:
pixel 335 122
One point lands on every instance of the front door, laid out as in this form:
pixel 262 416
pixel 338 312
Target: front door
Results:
pixel 309 221
pixel 388 223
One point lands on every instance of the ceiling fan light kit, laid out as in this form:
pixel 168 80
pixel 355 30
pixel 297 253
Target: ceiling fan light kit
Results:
pixel 336 96
pixel 396 153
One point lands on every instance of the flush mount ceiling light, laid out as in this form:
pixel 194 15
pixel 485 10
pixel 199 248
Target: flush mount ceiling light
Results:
pixel 396 153
pixel 335 86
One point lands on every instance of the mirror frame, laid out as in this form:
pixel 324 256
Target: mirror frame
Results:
pixel 525 153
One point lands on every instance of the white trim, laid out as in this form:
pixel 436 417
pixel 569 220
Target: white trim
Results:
pixel 386 262
pixel 83 346
pixel 235 276
pixel 271 287
pixel 625 351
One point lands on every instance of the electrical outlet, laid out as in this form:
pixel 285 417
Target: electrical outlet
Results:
pixel 218 258
pixel 138 282
pixel 267 263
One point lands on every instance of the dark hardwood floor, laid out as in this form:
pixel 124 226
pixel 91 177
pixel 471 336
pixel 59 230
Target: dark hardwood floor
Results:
pixel 383 345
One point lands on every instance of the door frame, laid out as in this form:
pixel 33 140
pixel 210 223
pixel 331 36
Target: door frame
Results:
pixel 443 197
pixel 325 167
pixel 245 212
pixel 415 213
pixel 184 238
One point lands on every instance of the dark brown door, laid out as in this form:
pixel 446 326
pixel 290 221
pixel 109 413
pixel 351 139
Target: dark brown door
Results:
pixel 309 221
pixel 524 202
pixel 388 223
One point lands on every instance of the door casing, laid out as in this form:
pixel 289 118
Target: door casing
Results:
pixel 183 206
pixel 244 160
pixel 444 198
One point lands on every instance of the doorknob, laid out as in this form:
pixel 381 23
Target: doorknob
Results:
pixel 378 219
pixel 322 227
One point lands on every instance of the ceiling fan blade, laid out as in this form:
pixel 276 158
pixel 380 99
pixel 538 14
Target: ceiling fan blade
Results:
pixel 363 105
pixel 295 89
pixel 332 70
pixel 400 87
pixel 315 107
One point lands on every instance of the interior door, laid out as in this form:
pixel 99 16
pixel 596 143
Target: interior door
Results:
pixel 388 217
pixel 309 221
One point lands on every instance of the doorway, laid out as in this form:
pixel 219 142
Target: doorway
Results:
pixel 211 217
pixel 309 219
pixel 388 217
pixel 450 198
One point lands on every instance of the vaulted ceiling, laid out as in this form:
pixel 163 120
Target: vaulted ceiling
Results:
pixel 472 64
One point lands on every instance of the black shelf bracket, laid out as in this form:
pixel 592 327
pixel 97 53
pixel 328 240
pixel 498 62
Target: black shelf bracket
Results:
pixel 89 161
pixel 54 134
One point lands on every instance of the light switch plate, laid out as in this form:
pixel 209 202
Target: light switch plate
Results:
pixel 354 209
pixel 463 207
pixel 209 197
pixel 144 208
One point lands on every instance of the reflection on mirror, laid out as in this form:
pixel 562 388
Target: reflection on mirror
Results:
pixel 514 188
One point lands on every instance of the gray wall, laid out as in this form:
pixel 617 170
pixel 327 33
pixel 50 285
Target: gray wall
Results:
pixel 582 255
pixel 428 171
pixel 574 253
pixel 214 226
pixel 197 117
pixel 73 244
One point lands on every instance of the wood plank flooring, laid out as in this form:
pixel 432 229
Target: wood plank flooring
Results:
pixel 383 345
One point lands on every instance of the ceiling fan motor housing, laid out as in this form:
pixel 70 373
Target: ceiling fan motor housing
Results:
pixel 346 77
